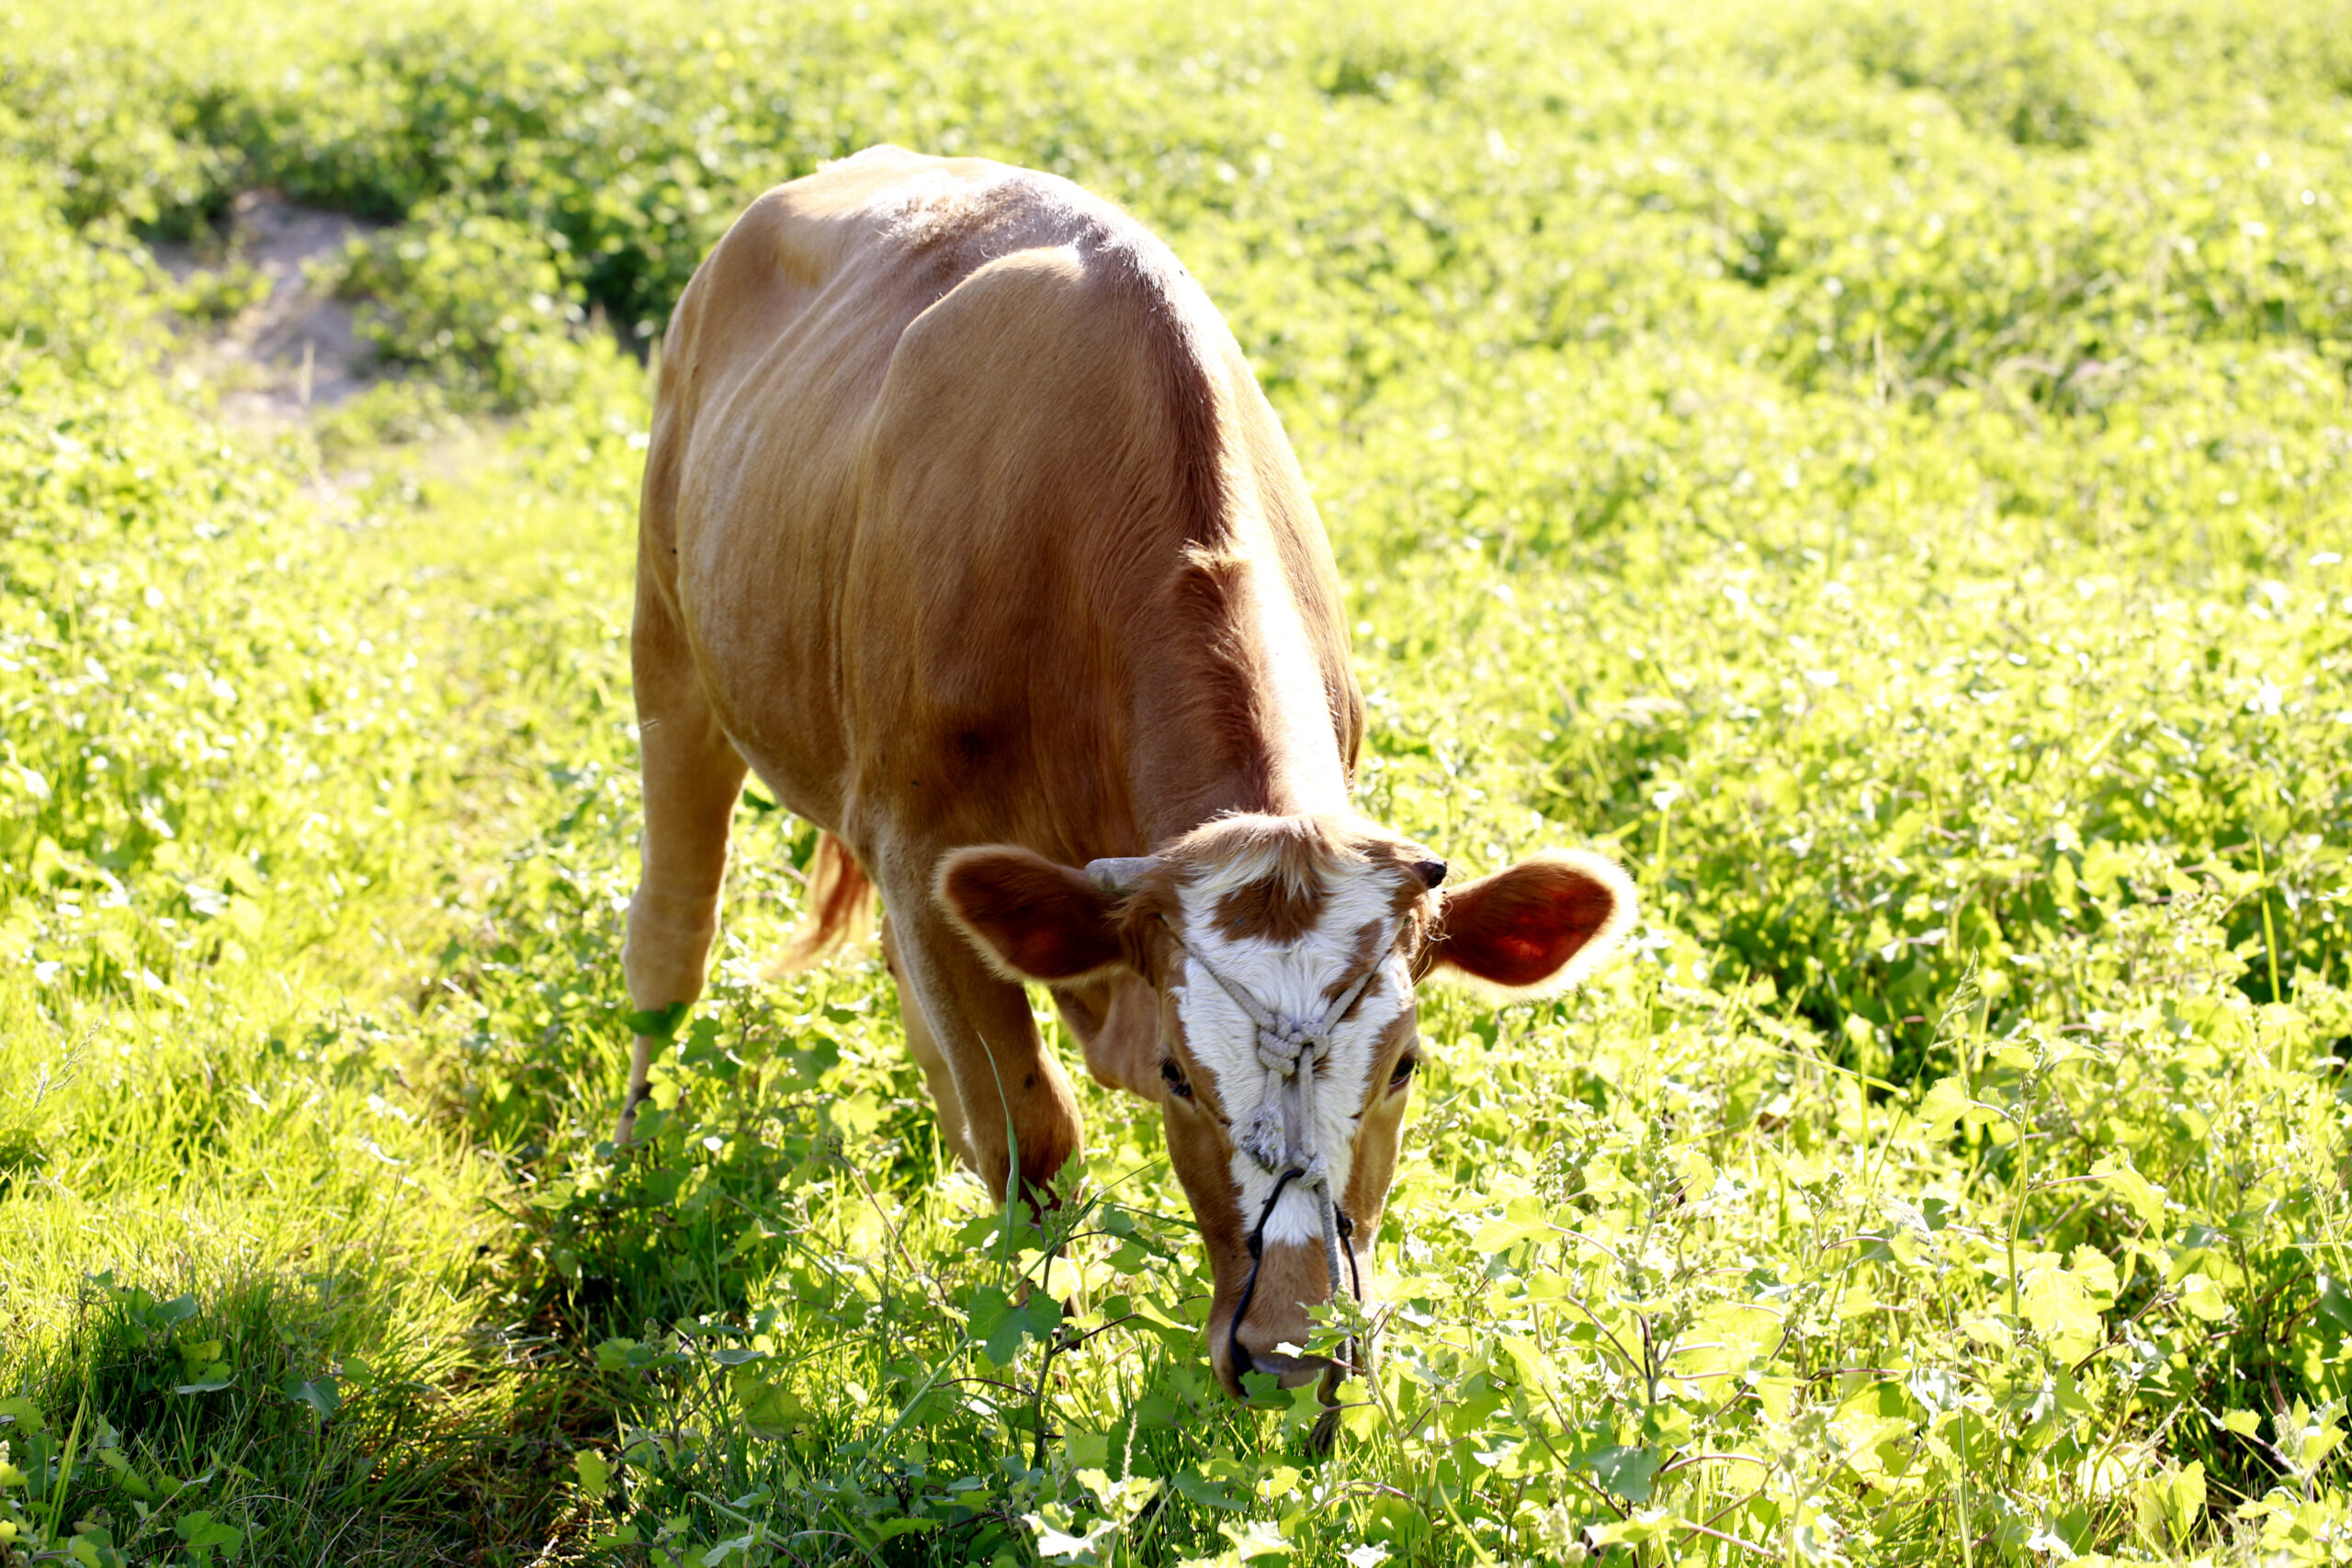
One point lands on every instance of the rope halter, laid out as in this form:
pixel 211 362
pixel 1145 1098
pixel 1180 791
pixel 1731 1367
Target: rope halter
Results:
pixel 1281 1135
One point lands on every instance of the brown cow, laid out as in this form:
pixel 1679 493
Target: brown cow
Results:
pixel 966 524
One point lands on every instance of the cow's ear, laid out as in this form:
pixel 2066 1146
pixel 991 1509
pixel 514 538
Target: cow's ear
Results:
pixel 1535 929
pixel 1030 919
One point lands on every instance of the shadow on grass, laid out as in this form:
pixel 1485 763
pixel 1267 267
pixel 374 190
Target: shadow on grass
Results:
pixel 260 1417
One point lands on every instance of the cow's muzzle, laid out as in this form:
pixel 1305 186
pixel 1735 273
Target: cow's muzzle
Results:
pixel 1283 1282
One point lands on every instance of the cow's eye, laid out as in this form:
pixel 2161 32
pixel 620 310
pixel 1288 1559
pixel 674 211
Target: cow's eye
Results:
pixel 1406 1065
pixel 1173 1076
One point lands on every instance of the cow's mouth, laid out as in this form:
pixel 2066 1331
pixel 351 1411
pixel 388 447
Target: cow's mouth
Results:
pixel 1292 1371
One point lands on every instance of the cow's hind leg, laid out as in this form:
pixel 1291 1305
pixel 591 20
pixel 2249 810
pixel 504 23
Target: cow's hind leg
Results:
pixel 692 776
pixel 936 1075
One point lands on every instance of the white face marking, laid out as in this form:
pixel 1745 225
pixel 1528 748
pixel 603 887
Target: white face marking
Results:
pixel 1291 982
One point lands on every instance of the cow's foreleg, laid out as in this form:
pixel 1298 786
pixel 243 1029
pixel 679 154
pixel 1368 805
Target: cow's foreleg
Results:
pixel 1012 1095
pixel 692 775
pixel 936 1074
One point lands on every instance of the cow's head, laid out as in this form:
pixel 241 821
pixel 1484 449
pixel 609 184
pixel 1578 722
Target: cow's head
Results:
pixel 1253 920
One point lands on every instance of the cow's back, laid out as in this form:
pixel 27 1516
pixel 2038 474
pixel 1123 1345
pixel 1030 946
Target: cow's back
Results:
pixel 934 440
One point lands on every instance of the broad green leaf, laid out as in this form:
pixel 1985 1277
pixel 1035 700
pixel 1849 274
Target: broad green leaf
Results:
pixel 1207 1494
pixel 1624 1471
pixel 200 1530
pixel 211 1380
pixel 128 1479
pixel 2095 1273
pixel 1945 1103
pixel 1253 1539
pixel 2184 1498
pixel 770 1408
pixel 1527 1358
pixel 2203 1297
pixel 657 1023
pixel 1002 1325
pixel 592 1470
pixel 321 1395
pixel 2144 1199
pixel 2056 1304
pixel 1498 1234
pixel 94 1549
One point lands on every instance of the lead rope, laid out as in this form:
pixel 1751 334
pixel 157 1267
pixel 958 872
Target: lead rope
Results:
pixel 1290 1051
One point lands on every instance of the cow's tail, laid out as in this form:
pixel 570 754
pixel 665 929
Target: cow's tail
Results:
pixel 840 906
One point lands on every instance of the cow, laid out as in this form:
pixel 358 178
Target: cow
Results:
pixel 966 528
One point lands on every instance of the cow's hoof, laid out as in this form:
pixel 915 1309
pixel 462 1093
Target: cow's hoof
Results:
pixel 1324 1435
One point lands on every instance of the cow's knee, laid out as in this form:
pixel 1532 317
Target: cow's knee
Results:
pixel 1040 1135
pixel 667 945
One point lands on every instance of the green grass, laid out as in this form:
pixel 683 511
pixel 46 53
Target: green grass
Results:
pixel 1881 471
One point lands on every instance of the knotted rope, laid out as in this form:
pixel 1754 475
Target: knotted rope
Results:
pixel 1281 1135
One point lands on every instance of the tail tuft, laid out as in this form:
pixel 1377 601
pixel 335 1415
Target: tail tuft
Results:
pixel 839 909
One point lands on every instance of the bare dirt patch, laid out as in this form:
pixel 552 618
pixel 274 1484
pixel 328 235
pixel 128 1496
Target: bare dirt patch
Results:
pixel 295 349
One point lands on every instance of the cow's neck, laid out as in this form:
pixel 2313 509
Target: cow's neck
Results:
pixel 1180 785
pixel 1233 712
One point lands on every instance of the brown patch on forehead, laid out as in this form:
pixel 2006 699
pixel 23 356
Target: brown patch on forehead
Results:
pixel 1274 909
pixel 1297 860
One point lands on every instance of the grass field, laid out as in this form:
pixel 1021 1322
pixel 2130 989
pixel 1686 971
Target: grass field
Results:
pixel 1883 471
